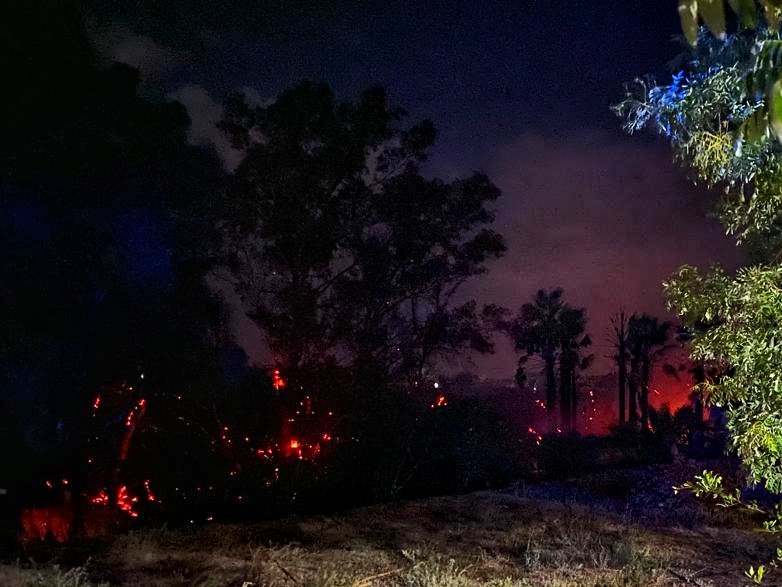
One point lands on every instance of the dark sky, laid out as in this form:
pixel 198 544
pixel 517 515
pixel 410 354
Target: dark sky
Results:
pixel 519 90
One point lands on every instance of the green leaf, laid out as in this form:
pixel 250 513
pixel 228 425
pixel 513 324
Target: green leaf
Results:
pixel 755 128
pixel 775 108
pixel 772 10
pixel 713 14
pixel 688 13
pixel 746 11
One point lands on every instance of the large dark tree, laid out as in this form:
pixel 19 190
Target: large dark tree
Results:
pixel 343 250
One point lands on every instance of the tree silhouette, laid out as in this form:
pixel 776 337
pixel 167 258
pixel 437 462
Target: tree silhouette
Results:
pixel 572 341
pixel 536 331
pixel 342 249
pixel 647 339
pixel 548 327
pixel 620 341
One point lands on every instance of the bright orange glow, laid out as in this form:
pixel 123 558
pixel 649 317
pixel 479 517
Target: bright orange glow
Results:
pixel 150 495
pixel 277 380
pixel 102 498
pixel 38 523
pixel 131 422
pixel 125 501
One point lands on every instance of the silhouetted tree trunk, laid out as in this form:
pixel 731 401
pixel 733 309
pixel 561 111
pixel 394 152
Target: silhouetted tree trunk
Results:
pixel 551 389
pixel 620 333
pixel 622 360
pixel 647 339
pixel 574 402
pixel 632 388
pixel 564 392
pixel 644 391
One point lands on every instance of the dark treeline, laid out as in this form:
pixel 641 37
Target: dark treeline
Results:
pixel 122 393
pixel 121 386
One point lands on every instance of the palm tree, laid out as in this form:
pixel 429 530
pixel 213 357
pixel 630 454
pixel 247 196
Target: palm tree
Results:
pixel 536 331
pixel 550 328
pixel 619 324
pixel 572 322
pixel 648 338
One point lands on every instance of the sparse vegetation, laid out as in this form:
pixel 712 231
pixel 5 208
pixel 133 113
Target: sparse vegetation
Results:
pixel 53 576
pixel 483 539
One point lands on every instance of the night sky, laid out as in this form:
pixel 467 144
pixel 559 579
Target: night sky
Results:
pixel 518 90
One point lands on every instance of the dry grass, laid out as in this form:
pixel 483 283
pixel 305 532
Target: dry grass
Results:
pixel 49 576
pixel 488 539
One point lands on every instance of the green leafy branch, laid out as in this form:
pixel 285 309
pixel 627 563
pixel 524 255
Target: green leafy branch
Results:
pixel 711 486
pixel 764 77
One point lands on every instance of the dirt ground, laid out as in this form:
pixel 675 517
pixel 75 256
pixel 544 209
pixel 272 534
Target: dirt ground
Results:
pixel 497 539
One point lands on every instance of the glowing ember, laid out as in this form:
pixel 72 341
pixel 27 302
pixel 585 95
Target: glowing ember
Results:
pixel 125 501
pixel 150 495
pixel 277 380
pixel 139 408
pixel 130 422
pixel 538 437
pixel 102 498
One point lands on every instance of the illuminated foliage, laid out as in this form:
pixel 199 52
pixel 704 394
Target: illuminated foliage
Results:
pixel 765 70
pixel 711 122
pixel 711 486
pixel 744 313
pixel 720 113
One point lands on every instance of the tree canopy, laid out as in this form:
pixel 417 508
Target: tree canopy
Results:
pixel 764 72
pixel 721 130
pixel 343 251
